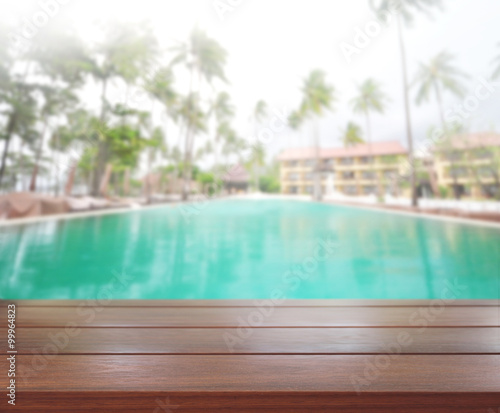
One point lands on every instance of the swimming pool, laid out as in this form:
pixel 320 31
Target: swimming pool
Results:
pixel 249 249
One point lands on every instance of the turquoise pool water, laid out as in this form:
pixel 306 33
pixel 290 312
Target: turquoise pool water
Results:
pixel 248 249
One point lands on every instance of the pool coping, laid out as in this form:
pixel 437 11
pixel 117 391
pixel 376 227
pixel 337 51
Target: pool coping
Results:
pixel 422 214
pixel 84 214
pixel 111 211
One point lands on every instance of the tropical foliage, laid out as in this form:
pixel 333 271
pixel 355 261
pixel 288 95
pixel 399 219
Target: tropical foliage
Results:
pixel 352 135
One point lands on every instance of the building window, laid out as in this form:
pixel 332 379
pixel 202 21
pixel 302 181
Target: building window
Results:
pixel 369 189
pixel 309 163
pixel 366 160
pixel 346 161
pixel 485 171
pixel 293 164
pixel 348 175
pixel 309 189
pixel 328 163
pixel 293 177
pixel 389 159
pixel 368 175
pixel 389 174
pixel 350 190
pixel 458 171
pixel 490 191
pixel 308 176
pixel 483 153
pixel 294 189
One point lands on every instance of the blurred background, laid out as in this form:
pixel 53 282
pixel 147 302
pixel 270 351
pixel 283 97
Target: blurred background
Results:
pixel 150 100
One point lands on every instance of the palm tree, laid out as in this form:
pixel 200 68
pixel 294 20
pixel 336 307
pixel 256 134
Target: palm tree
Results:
pixel 233 144
pixel 205 59
pixel 370 99
pixel 195 120
pixel 125 54
pixel 258 115
pixel 156 145
pixel 405 9
pixel 57 102
pixel 20 112
pixel 438 76
pixel 63 60
pixel 496 72
pixel 223 110
pixel 260 111
pixel 295 119
pixel 257 160
pixel 352 135
pixel 76 137
pixel 317 96
pixel 160 88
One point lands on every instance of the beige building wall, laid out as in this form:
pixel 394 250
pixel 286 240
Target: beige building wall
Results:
pixel 473 169
pixel 353 175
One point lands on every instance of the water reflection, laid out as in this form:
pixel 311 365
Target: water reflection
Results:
pixel 243 249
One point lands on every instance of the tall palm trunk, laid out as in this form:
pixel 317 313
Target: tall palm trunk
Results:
pixel 71 179
pixel 446 133
pixel 56 162
pixel 149 178
pixel 103 187
pixel 39 151
pixel 430 171
pixel 317 172
pixel 216 151
pixel 10 130
pixel 186 172
pixel 256 164
pixel 126 182
pixel 370 152
pixel 409 136
pixel 11 125
pixel 102 151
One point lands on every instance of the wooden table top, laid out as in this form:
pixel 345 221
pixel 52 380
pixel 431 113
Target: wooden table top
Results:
pixel 254 356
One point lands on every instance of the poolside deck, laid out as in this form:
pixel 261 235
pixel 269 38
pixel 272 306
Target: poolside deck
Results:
pixel 297 356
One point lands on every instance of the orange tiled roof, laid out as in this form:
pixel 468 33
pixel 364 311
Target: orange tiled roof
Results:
pixel 474 140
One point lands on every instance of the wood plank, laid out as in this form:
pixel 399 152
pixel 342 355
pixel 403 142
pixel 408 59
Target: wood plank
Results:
pixel 260 341
pixel 260 373
pixel 89 316
pixel 247 303
pixel 250 402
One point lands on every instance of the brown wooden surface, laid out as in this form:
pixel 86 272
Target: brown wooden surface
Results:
pixel 261 341
pixel 252 402
pixel 264 373
pixel 103 316
pixel 304 356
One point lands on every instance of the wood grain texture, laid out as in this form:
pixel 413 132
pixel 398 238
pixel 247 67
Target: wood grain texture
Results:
pixel 312 356
pixel 261 373
pixel 90 316
pixel 260 341
pixel 252 402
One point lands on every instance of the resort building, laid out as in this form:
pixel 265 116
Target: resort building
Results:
pixel 236 180
pixel 356 170
pixel 469 165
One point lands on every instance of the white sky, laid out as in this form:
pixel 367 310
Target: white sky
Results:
pixel 274 44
